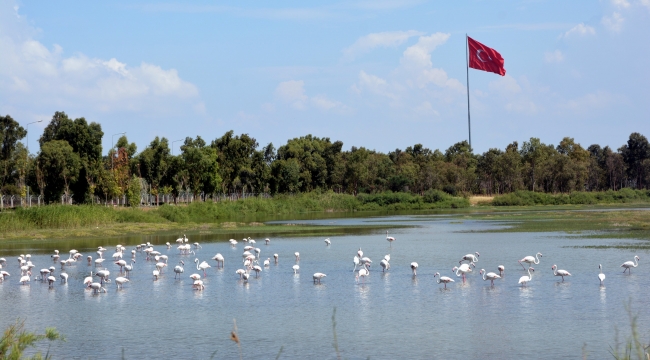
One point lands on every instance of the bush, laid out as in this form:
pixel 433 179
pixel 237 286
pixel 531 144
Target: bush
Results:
pixel 529 198
pixel 450 189
pixel 434 196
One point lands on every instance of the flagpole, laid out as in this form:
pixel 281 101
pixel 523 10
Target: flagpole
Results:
pixel 469 123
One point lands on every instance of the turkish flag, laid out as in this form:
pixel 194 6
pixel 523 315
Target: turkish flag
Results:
pixel 484 58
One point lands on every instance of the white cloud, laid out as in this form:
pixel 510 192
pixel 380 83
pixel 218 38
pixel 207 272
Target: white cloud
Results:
pixel 645 3
pixel 554 56
pixel 593 101
pixel 580 30
pixel 293 93
pixel 614 22
pixel 621 3
pixel 425 109
pixel 30 70
pixel 417 67
pixel 383 39
pixel 505 85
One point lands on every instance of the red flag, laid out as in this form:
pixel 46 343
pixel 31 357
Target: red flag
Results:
pixel 484 58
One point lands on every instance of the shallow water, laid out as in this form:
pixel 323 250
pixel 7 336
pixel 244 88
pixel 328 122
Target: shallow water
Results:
pixel 391 315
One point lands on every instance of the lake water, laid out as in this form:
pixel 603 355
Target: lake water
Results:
pixel 392 315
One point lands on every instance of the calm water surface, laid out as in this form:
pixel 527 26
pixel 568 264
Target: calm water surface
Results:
pixel 392 315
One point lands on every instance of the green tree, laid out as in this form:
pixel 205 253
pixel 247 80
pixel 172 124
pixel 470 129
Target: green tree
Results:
pixel 133 191
pixel 532 154
pixel 154 163
pixel 634 153
pixel 235 156
pixel 201 165
pixel 10 134
pixel 60 166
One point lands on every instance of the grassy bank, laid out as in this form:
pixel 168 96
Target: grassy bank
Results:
pixel 92 221
pixel 529 198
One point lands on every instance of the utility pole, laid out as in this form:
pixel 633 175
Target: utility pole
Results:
pixel 175 141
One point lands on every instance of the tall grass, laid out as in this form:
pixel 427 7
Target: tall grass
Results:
pixel 529 198
pixel 71 217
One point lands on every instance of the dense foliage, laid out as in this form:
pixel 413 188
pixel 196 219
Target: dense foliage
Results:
pixel 70 164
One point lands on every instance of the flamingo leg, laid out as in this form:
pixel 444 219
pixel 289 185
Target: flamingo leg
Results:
pixel 522 265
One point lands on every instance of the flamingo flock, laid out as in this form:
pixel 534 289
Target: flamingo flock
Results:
pixel 98 280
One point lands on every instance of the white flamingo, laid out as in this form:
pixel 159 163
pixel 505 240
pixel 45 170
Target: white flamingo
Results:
pixel 501 269
pixel 195 277
pixel 390 239
pixel 355 260
pixel 462 270
pixel 363 273
pixel 120 281
pixel 156 274
pixel 257 270
pixel 489 276
pixel 219 259
pixel 530 260
pixel 360 253
pixel 297 254
pixel 121 264
pixel 318 276
pixel 25 279
pixel 240 272
pixel 178 269
pixel 470 258
pixel 525 279
pixel 327 243
pixel 601 276
pixel 198 285
pixel 129 268
pixel 267 262
pixel 97 287
pixel 64 278
pixel 267 241
pixel 384 265
pixel 561 273
pixel 443 279
pixel 275 257
pixel 628 265
pixel 296 268
pixel 203 266
pixel 414 267
pixel 51 280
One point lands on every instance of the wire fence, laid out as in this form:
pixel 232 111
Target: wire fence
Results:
pixel 146 199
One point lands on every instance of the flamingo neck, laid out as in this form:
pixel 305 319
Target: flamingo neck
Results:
pixel 536 259
pixel 484 276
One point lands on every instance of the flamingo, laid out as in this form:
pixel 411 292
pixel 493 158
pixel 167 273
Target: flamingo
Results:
pixel 443 279
pixel 275 256
pixel 64 278
pixel 501 269
pixel 355 260
pixel 203 266
pixel 44 274
pixel 489 276
pixel 103 276
pixel 360 253
pixel 462 270
pixel 87 280
pixel 318 276
pixel 50 280
pixel 384 265
pixel 198 285
pixel 296 268
pixel 219 259
pixel 197 246
pixel 97 287
pixel 297 254
pixel 327 243
pixel 628 265
pixel 129 268
pixel 25 279
pixel 233 242
pixel 195 277
pixel 240 272
pixel 248 248
pixel 156 274
pixel 56 256
pixel 525 279
pixel 257 270
pixel 363 272
pixel 470 258
pixel 387 257
pixel 90 260
pixel 267 241
pixel 245 276
pixel 178 269
pixel 561 273
pixel 160 266
pixel 120 281
pixel 530 260
pixel 3 275
pixel 121 264
pixel 390 239
pixel 366 261
pixel 414 267
pixel 267 262
pixel 601 276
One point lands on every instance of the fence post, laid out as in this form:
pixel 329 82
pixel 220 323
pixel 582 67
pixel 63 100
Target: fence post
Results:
pixel 2 201
pixel 39 200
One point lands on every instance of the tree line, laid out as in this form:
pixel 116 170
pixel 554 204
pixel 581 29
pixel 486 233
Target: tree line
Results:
pixel 70 163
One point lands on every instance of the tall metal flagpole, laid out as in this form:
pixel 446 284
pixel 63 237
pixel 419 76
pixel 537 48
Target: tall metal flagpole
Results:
pixel 469 123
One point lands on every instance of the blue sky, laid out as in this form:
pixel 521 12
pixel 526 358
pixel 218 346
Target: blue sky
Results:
pixel 380 74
